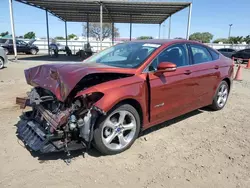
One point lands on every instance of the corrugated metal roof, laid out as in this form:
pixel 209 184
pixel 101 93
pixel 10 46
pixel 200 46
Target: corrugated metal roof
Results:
pixel 113 11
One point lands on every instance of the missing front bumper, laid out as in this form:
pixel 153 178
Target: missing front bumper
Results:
pixel 34 137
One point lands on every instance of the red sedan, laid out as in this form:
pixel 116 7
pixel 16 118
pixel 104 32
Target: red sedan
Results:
pixel 112 96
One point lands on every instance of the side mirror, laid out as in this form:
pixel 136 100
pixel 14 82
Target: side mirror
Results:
pixel 166 67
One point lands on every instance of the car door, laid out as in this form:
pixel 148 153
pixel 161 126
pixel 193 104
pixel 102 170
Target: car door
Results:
pixel 171 93
pixel 247 53
pixel 206 73
pixel 21 46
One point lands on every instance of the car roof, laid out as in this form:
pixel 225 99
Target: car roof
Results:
pixel 226 48
pixel 165 41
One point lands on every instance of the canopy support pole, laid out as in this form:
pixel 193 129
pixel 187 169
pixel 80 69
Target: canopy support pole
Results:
pixel 189 21
pixel 113 32
pixel 130 30
pixel 101 26
pixel 87 28
pixel 13 28
pixel 47 25
pixel 169 27
pixel 159 31
pixel 66 33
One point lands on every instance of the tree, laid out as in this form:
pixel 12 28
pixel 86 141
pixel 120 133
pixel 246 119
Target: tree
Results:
pixel 95 31
pixel 4 33
pixel 30 35
pixel 59 38
pixel 71 36
pixel 236 40
pixel 247 39
pixel 224 40
pixel 204 37
pixel 144 37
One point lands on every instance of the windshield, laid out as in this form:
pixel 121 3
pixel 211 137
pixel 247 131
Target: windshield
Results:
pixel 125 55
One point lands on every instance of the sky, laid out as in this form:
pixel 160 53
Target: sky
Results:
pixel 212 16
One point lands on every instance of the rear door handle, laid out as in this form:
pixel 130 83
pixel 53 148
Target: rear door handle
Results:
pixel 216 66
pixel 187 72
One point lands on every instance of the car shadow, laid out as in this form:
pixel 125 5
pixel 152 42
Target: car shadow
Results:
pixel 61 155
pixel 170 122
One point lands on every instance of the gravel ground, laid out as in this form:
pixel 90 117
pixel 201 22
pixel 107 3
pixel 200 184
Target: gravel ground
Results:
pixel 199 149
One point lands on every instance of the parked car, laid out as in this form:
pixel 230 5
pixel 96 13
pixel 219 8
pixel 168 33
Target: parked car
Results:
pixel 57 46
pixel 112 96
pixel 28 48
pixel 228 52
pixel 242 54
pixel 3 58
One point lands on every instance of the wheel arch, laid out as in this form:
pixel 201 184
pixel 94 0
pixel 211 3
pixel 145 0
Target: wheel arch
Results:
pixel 228 83
pixel 133 102
pixel 136 105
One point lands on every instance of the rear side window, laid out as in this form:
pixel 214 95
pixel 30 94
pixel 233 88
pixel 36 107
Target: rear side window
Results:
pixel 2 41
pixel 214 54
pixel 231 50
pixel 222 50
pixel 200 54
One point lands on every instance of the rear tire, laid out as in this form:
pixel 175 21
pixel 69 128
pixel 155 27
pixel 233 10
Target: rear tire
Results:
pixel 221 96
pixel 1 63
pixel 117 131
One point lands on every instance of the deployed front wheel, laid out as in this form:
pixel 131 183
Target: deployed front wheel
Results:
pixel 117 130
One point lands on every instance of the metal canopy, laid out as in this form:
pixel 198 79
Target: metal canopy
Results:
pixel 113 11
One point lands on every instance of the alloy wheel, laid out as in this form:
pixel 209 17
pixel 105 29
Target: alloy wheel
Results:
pixel 222 95
pixel 1 63
pixel 119 130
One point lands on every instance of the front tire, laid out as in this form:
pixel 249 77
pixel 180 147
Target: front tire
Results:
pixel 33 51
pixel 221 96
pixel 117 131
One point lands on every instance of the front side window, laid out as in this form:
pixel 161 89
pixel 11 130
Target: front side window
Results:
pixel 125 55
pixel 200 54
pixel 176 54
pixel 20 42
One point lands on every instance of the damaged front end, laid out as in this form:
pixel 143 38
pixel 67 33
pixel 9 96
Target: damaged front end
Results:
pixel 53 125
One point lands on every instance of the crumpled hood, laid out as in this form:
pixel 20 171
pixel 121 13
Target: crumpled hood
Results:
pixel 61 79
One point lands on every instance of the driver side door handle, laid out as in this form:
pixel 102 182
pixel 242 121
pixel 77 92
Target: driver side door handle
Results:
pixel 187 72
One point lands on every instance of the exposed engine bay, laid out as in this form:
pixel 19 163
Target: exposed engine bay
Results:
pixel 55 126
pixel 63 114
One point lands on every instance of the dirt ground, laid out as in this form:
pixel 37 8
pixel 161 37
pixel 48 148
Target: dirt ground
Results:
pixel 199 149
